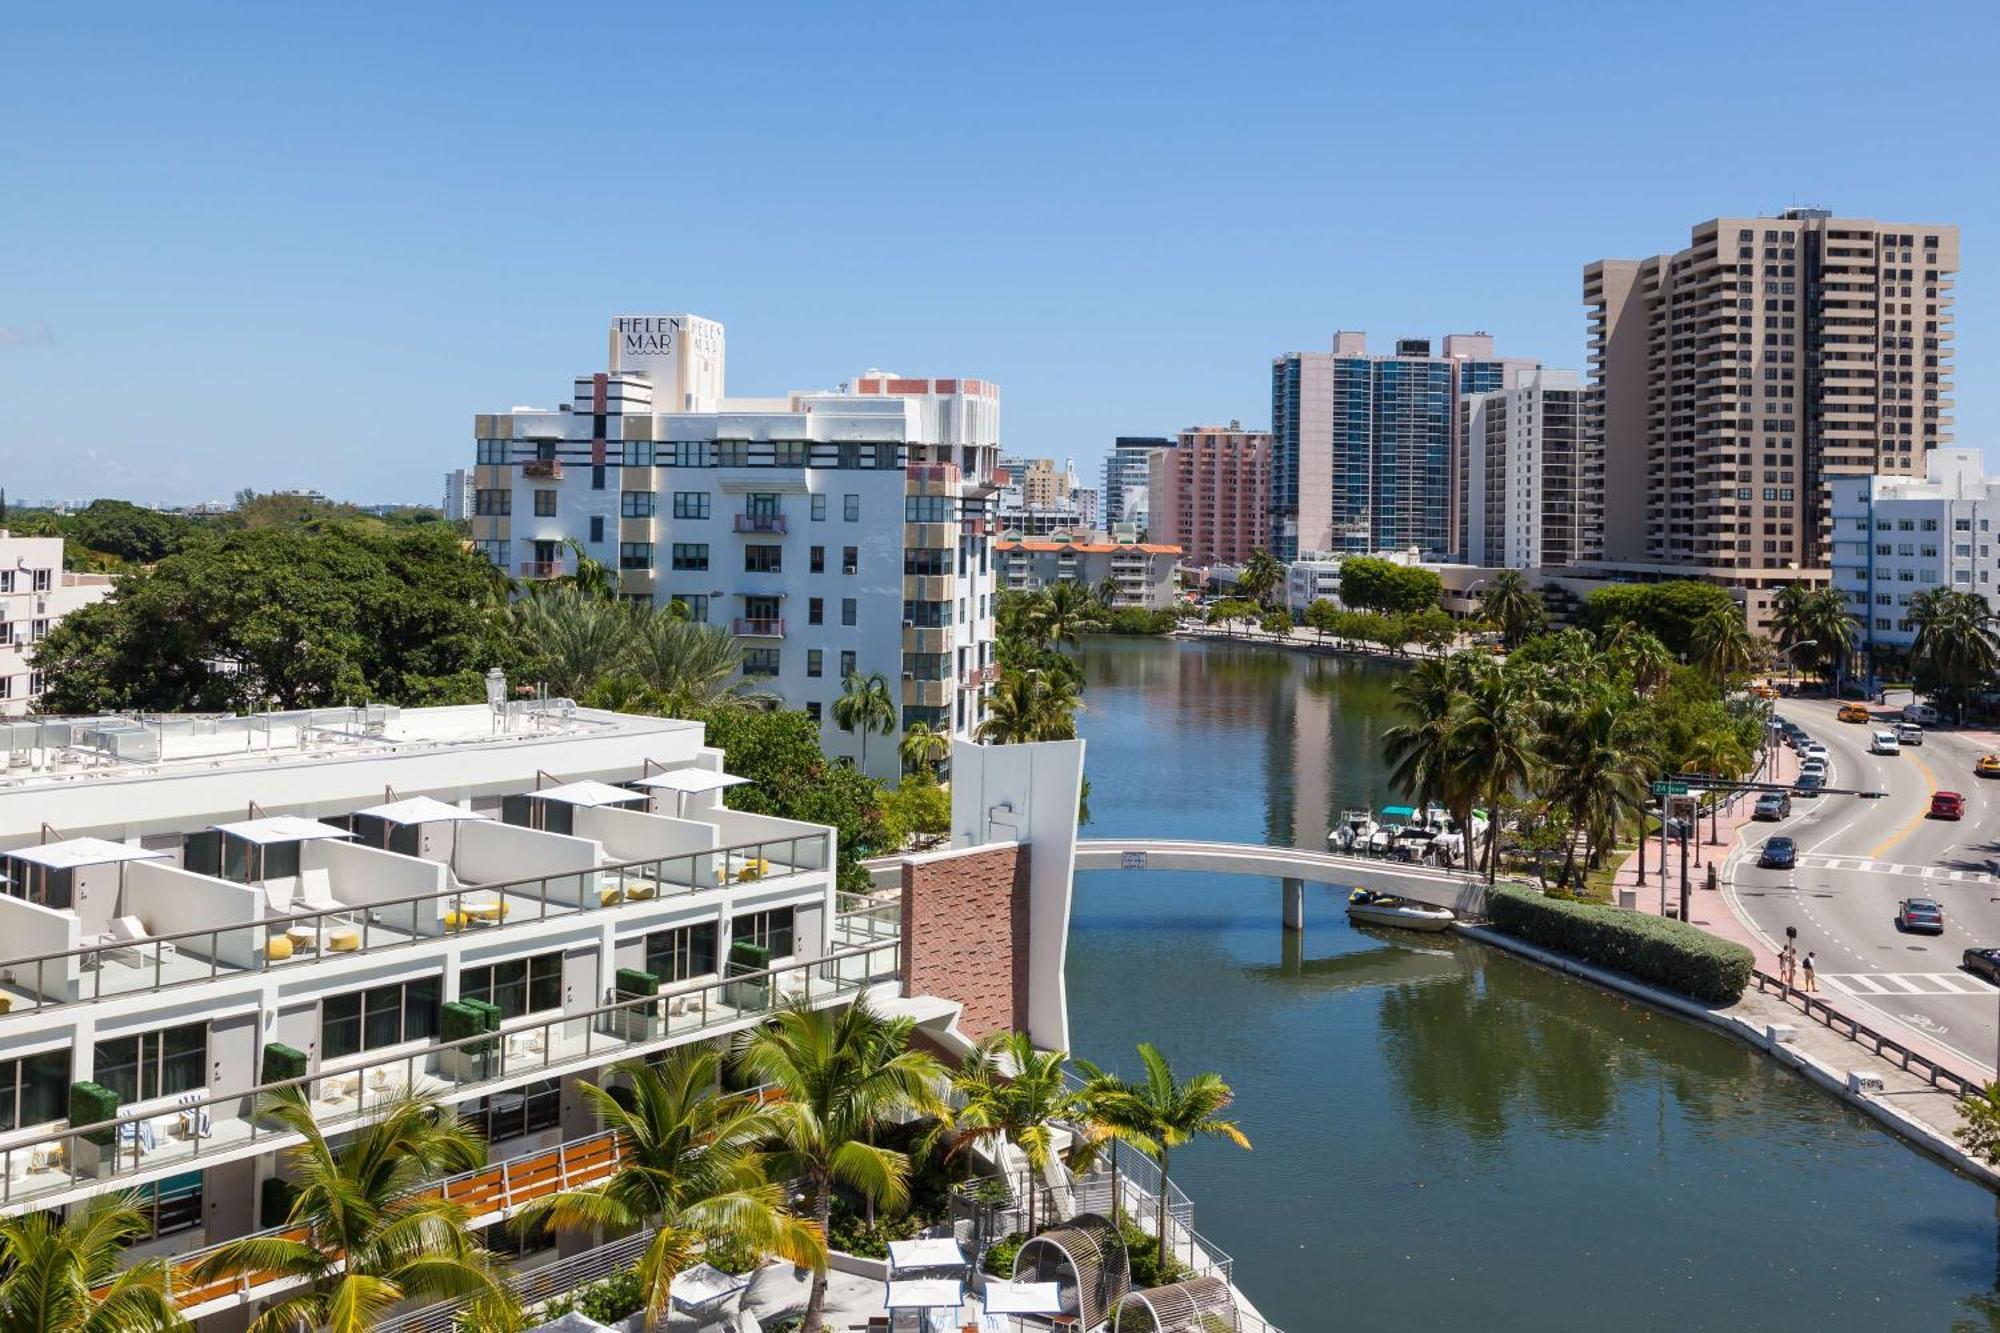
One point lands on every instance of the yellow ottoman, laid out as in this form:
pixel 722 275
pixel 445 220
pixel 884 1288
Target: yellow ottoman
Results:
pixel 277 948
pixel 344 941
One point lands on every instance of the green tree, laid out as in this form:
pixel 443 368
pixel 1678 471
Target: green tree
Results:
pixel 839 1073
pixel 1825 620
pixel 1510 603
pixel 1498 726
pixel 1981 1131
pixel 1668 610
pixel 1028 706
pixel 573 638
pixel 1424 750
pixel 923 747
pixel 1433 630
pixel 692 666
pixel 1374 584
pixel 1160 1113
pixel 791 777
pixel 375 1237
pixel 1262 575
pixel 690 1172
pixel 1723 646
pixel 1598 772
pixel 122 529
pixel 1277 622
pixel 917 805
pixel 592 577
pixel 1953 655
pixel 1008 1091
pixel 1638 656
pixel 1322 615
pixel 865 704
pixel 63 1274
pixel 1228 611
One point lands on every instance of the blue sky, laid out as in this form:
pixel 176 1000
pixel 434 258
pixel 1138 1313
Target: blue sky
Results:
pixel 280 246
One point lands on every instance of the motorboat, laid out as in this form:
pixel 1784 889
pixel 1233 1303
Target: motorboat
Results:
pixel 1385 909
pixel 1353 831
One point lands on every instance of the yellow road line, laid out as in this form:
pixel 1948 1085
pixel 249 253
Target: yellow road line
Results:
pixel 1881 849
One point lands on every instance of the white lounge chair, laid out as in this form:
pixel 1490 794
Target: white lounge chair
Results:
pixel 130 932
pixel 194 1117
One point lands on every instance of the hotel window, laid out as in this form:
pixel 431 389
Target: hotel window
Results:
pixel 516 987
pixel 772 930
pixel 763 559
pixel 812 711
pixel 509 1115
pixel 681 953
pixel 850 508
pixel 639 504
pixel 635 555
pixel 732 453
pixel 639 453
pixel 846 663
pixel 815 610
pixel 491 451
pixel 760 662
pixel 927 615
pixel 927 560
pixel 366 1020
pixel 696 604
pixel 819 509
pixel 848 611
pixel 153 1064
pixel 816 560
pixel 691 504
pixel 850 560
pixel 493 503
pixel 34 1089
pixel 545 504
pixel 597 477
pixel 691 453
pixel 596 528
pixel 928 509
pixel 815 663
pixel 690 555
pixel 171 1205
pixel 791 453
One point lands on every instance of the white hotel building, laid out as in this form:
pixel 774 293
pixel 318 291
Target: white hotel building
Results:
pixel 35 593
pixel 1894 537
pixel 837 531
pixel 484 903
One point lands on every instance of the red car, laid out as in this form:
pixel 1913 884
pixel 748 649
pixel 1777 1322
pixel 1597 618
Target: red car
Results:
pixel 1947 805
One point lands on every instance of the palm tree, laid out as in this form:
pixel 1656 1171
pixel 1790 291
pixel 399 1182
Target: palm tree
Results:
pixel 1719 751
pixel 1423 749
pixel 1789 615
pixel 1510 603
pixel 865 704
pixel 1010 1092
pixel 573 638
pixel 1639 656
pixel 689 1168
pixel 923 746
pixel 1159 1114
pixel 1030 705
pixel 1823 618
pixel 695 667
pixel 1723 645
pixel 593 578
pixel 1262 573
pixel 1497 727
pixel 1598 771
pixel 838 1073
pixel 1954 653
pixel 1063 611
pixel 64 1276
pixel 375 1237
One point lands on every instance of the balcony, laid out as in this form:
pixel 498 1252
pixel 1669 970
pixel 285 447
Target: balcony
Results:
pixel 547 469
pixel 758 627
pixel 771 523
pixel 973 677
pixel 541 569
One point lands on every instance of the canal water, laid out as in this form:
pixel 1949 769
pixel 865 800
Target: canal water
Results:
pixel 1445 1137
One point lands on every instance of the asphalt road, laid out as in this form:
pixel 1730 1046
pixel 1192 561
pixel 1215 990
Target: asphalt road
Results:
pixel 1859 858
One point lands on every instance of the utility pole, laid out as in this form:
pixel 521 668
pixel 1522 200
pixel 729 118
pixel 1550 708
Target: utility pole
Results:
pixel 1684 872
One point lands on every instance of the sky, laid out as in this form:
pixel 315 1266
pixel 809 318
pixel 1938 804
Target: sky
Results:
pixel 299 246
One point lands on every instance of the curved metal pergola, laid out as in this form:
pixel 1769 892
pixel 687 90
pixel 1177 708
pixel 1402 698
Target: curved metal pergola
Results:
pixel 1085 1257
pixel 1198 1305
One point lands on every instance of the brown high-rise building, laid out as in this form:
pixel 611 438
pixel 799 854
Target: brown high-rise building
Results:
pixel 1731 380
pixel 1208 494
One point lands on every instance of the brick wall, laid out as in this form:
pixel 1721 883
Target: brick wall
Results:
pixel 965 934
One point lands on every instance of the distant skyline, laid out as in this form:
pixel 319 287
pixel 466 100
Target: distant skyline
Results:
pixel 286 248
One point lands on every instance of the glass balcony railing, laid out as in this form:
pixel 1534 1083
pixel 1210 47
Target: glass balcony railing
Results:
pixel 201 1129
pixel 276 943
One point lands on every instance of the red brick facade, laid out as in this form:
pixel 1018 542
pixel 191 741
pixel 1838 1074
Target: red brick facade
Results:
pixel 965 934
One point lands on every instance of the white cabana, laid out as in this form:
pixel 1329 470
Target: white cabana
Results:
pixel 420 810
pixel 924 1293
pixel 280 828
pixel 72 853
pixel 929 1252
pixel 701 1290
pixel 587 792
pixel 686 782
pixel 1022 1298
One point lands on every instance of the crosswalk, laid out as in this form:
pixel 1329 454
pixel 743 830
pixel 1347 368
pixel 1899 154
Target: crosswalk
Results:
pixel 1907 983
pixel 1862 863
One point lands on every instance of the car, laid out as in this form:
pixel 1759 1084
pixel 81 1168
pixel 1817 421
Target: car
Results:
pixel 1910 734
pixel 1780 853
pixel 1988 766
pixel 1982 963
pixel 1808 785
pixel 1772 805
pixel 1814 767
pixel 1922 714
pixel 1764 691
pixel 1854 713
pixel 1814 750
pixel 1884 742
pixel 1947 805
pixel 1920 916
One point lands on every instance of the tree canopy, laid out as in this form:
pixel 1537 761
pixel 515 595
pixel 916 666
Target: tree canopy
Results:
pixel 1668 611
pixel 1371 583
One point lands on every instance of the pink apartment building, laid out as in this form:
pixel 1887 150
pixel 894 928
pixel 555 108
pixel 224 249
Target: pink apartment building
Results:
pixel 1209 495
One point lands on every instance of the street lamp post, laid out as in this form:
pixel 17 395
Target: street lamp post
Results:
pixel 1791 656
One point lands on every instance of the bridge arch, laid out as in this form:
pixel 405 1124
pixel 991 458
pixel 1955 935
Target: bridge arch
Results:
pixel 1463 893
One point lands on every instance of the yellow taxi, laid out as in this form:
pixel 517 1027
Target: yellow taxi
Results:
pixel 1854 713
pixel 1764 691
pixel 1988 766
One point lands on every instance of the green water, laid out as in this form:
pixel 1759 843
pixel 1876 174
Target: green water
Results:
pixel 1446 1138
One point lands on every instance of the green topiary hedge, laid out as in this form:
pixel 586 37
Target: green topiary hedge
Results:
pixel 93 1104
pixel 1653 949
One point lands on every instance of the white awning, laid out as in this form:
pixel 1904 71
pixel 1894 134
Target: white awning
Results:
pixel 420 810
pixel 705 1283
pixel 281 828
pixel 689 780
pixel 929 1252
pixel 925 1293
pixel 71 853
pixel 588 793
pixel 1023 1298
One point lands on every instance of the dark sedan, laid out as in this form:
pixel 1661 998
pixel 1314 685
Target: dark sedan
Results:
pixel 1984 963
pixel 1779 854
pixel 1772 805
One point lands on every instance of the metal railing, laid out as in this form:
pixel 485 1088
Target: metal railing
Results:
pixel 1933 1073
pixel 759 627
pixel 536 1287
pixel 760 522
pixel 540 569
pixel 45 981
pixel 179 1135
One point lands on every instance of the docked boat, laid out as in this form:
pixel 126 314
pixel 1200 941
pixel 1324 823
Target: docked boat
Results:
pixel 1384 909
pixel 1353 831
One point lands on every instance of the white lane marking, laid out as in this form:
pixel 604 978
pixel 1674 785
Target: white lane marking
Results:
pixel 1907 983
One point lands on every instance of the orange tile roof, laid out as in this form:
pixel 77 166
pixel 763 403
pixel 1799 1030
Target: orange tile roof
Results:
pixel 1092 548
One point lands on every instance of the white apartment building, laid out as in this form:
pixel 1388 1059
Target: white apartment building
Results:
pixel 487 904
pixel 35 593
pixel 1315 575
pixel 1137 574
pixel 1896 536
pixel 1520 504
pixel 458 490
pixel 833 532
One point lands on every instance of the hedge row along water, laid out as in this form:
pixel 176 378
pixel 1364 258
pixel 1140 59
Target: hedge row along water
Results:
pixel 1666 953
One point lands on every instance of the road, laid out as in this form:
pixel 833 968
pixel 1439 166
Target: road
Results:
pixel 1859 858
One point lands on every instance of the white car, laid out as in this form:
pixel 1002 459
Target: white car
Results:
pixel 1813 768
pixel 1922 714
pixel 1884 742
pixel 1813 750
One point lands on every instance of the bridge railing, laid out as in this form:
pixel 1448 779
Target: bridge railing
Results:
pixel 1914 1062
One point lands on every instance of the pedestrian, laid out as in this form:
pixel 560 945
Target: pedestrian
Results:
pixel 1812 984
pixel 1785 965
pixel 1791 964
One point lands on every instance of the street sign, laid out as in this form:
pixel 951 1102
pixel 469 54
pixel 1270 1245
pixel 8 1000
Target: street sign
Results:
pixel 1670 789
pixel 1131 860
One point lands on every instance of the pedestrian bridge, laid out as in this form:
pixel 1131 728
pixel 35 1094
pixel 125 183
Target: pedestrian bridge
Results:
pixel 1463 893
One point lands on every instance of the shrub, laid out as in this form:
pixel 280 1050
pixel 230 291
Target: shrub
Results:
pixel 282 1063
pixel 1142 1248
pixel 91 1104
pixel 999 1257
pixel 610 1299
pixel 1139 620
pixel 850 1233
pixel 1666 953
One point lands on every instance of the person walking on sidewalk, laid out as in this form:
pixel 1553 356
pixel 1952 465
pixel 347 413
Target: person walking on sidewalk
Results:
pixel 1785 965
pixel 1812 982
